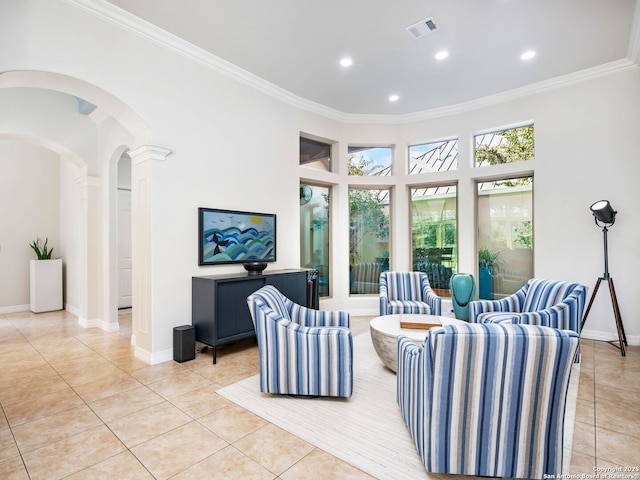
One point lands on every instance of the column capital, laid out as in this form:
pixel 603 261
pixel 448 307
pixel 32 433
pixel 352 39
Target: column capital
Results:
pixel 144 153
pixel 88 181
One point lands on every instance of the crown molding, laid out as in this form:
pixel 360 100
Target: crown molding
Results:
pixel 129 22
pixel 574 78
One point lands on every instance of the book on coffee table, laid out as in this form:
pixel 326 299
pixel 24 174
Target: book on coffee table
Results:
pixel 424 323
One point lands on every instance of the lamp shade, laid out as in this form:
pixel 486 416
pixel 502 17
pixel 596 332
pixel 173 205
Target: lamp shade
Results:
pixel 603 212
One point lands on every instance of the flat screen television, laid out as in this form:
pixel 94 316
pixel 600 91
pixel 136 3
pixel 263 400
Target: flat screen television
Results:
pixel 229 236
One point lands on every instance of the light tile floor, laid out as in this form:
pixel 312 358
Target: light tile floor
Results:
pixel 75 403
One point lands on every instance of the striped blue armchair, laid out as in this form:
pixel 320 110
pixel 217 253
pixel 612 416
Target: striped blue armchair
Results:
pixel 487 399
pixel 549 303
pixel 407 292
pixel 302 351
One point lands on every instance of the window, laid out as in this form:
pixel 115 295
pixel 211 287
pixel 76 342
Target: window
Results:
pixel 433 157
pixel 505 236
pixel 315 154
pixel 434 234
pixel 505 146
pixel 365 161
pixel 368 239
pixel 503 206
pixel 314 232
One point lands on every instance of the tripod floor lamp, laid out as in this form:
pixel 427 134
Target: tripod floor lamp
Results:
pixel 605 216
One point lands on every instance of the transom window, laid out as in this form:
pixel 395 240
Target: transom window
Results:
pixel 365 161
pixel 438 156
pixel 504 146
pixel 315 154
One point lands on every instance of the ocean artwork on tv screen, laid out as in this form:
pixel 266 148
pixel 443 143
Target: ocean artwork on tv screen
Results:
pixel 228 236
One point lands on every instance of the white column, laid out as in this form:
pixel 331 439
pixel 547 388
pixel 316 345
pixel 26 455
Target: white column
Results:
pixel 90 252
pixel 142 162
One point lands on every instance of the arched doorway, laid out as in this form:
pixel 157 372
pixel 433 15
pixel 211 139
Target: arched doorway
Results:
pixel 45 119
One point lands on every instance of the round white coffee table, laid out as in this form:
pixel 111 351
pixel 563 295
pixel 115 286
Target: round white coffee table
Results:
pixel 386 329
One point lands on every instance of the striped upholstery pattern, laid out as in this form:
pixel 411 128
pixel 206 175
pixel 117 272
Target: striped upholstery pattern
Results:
pixel 366 277
pixel 302 351
pixel 487 399
pixel 407 292
pixel 549 303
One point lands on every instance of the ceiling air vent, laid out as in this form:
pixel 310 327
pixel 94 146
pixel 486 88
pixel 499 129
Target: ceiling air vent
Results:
pixel 422 28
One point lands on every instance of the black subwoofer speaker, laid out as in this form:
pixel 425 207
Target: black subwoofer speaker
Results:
pixel 184 343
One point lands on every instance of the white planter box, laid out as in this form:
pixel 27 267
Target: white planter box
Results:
pixel 46 285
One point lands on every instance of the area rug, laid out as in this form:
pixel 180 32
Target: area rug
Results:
pixel 366 430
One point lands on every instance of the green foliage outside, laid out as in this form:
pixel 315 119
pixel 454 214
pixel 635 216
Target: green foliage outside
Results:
pixel 367 214
pixel 320 222
pixel 361 167
pixel 424 234
pixel 433 227
pixel 524 235
pixel 516 145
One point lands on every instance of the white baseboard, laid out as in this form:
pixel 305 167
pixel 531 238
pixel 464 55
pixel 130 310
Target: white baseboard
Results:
pixel 99 323
pixel 608 337
pixel 153 358
pixel 110 327
pixel 15 308
pixel 89 323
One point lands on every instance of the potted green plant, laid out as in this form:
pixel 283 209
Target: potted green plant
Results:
pixel 45 278
pixel 43 253
pixel 488 262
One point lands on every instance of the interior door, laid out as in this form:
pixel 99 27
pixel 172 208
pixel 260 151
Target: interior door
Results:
pixel 124 249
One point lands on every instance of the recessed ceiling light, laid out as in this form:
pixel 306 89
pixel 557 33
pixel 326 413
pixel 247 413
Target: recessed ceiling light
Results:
pixel 394 98
pixel 528 55
pixel 346 62
pixel 441 55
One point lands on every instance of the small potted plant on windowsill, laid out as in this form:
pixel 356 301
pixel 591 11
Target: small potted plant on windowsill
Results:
pixel 45 279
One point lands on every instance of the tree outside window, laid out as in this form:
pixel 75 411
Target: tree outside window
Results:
pixel 368 238
pixel 505 146
pixel 370 161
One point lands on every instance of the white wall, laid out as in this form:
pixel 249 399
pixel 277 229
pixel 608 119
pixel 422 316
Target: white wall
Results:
pixel 29 208
pixel 234 147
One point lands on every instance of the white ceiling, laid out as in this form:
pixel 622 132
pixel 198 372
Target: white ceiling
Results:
pixel 297 45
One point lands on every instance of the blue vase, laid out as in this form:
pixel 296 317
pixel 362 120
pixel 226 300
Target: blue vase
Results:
pixel 485 280
pixel 463 288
